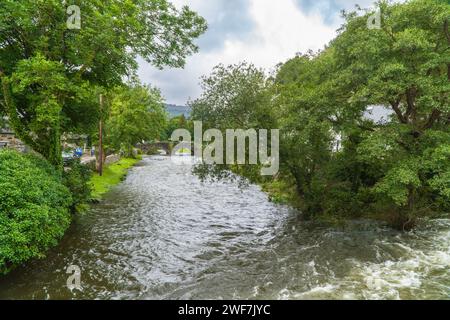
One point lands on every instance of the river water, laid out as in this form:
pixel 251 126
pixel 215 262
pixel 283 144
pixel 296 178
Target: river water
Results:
pixel 163 234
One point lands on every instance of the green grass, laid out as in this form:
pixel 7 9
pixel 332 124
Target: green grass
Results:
pixel 183 151
pixel 112 175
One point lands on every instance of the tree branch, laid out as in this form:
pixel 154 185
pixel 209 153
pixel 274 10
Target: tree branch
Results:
pixel 410 98
pixel 446 31
pixel 432 119
pixel 395 107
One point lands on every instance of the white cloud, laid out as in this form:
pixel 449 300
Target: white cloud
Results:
pixel 279 30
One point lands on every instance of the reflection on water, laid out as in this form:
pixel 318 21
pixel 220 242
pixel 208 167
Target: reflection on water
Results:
pixel 163 234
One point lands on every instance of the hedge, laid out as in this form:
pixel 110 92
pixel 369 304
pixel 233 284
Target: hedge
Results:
pixel 34 208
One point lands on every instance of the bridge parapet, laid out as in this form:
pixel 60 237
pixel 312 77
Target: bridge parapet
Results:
pixel 167 146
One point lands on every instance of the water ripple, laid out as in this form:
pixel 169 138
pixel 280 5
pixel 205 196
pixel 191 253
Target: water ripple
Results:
pixel 163 234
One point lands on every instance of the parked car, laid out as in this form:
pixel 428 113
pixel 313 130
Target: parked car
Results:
pixel 68 158
pixel 78 152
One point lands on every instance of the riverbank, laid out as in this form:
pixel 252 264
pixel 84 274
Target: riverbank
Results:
pixel 284 192
pixel 281 192
pixel 113 174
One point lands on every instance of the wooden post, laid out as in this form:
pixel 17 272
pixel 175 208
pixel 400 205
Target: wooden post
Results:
pixel 100 139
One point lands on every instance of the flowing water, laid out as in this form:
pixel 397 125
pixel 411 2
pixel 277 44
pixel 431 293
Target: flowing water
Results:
pixel 163 234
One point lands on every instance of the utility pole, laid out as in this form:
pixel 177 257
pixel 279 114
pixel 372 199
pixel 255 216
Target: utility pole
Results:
pixel 100 139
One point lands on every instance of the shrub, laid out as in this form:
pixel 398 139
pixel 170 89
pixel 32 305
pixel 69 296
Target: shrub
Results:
pixel 76 178
pixel 152 150
pixel 34 208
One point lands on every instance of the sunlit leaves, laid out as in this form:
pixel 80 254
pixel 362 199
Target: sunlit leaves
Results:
pixel 136 114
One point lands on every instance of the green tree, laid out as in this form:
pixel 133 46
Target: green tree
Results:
pixel 305 115
pixel 405 66
pixel 50 74
pixel 341 163
pixel 179 122
pixel 234 97
pixel 400 166
pixel 136 114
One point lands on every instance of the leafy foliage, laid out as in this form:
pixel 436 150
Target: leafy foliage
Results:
pixel 76 178
pixel 234 97
pixel 51 76
pixel 179 122
pixel 136 114
pixel 341 163
pixel 34 208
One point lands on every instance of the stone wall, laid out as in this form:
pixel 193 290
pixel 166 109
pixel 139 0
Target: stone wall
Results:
pixel 112 159
pixel 10 140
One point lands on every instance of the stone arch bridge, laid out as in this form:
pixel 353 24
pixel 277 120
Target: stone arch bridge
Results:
pixel 152 147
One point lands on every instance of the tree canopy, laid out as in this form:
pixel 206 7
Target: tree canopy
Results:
pixel 341 162
pixel 136 114
pixel 51 75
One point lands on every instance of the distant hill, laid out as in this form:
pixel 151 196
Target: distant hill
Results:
pixel 176 111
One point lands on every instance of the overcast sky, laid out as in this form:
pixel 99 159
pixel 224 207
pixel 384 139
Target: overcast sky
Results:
pixel 264 32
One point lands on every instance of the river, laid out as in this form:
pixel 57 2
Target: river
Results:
pixel 163 234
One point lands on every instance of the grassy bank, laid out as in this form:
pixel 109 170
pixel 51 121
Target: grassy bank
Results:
pixel 112 175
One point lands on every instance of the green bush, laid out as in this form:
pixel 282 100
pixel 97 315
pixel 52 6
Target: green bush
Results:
pixel 152 150
pixel 34 208
pixel 76 179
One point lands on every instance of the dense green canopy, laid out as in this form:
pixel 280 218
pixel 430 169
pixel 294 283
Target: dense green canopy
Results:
pixel 136 114
pixel 51 74
pixel 340 162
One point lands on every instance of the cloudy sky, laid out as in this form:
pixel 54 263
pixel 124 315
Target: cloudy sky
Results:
pixel 264 32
